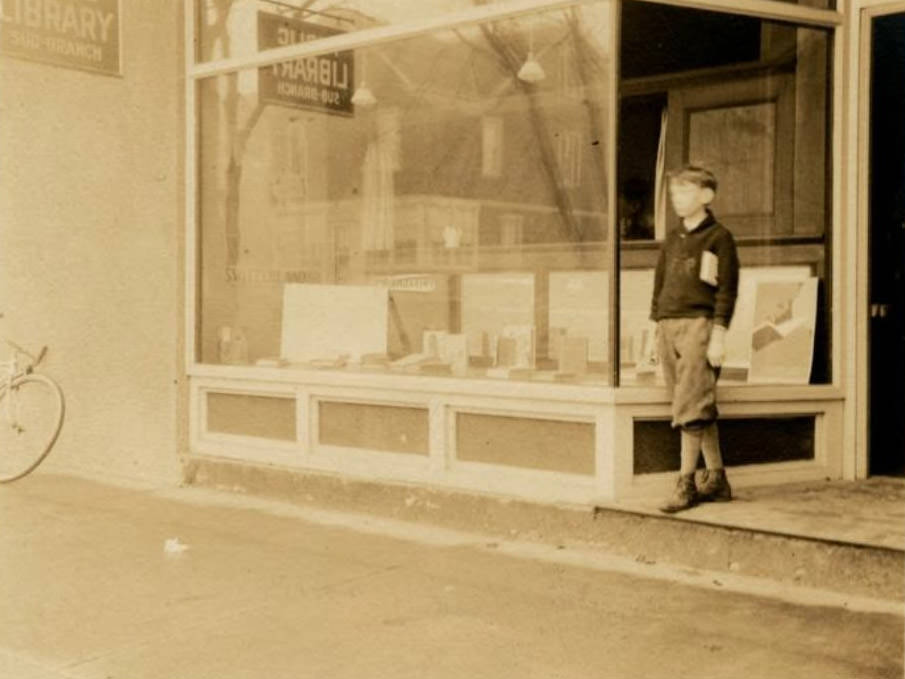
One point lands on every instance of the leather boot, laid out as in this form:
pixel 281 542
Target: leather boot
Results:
pixel 714 486
pixel 683 497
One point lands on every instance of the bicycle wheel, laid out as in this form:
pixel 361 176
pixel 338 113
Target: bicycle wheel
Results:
pixel 31 415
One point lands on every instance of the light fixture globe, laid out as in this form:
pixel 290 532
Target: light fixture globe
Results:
pixel 364 97
pixel 531 71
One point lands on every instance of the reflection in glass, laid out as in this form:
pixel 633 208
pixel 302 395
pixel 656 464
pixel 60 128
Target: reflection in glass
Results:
pixel 438 225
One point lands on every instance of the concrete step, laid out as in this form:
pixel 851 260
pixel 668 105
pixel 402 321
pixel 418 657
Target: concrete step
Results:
pixel 768 543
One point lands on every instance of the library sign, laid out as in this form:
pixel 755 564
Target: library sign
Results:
pixel 324 82
pixel 83 34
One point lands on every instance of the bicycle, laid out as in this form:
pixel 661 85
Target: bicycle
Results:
pixel 31 413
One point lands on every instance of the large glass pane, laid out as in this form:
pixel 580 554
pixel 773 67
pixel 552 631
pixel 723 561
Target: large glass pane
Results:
pixel 435 205
pixel 751 103
pixel 231 28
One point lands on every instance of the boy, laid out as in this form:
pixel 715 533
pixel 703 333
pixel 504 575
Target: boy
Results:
pixel 695 288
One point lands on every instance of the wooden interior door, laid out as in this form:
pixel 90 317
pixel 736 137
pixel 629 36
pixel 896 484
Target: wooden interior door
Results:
pixel 743 130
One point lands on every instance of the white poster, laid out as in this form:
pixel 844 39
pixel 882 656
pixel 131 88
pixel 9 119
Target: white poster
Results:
pixel 636 287
pixel 492 301
pixel 782 339
pixel 738 338
pixel 325 322
pixel 579 305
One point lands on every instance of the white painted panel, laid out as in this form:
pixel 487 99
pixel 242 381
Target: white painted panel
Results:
pixel 328 321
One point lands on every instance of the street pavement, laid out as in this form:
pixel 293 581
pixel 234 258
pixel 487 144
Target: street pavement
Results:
pixel 119 582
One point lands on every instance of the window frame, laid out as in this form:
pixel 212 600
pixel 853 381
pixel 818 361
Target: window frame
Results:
pixel 196 72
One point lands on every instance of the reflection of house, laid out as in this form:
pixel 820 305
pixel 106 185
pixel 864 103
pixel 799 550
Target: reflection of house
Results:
pixel 449 144
pixel 458 166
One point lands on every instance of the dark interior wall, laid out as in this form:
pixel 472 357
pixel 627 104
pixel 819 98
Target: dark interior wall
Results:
pixel 658 39
pixel 743 441
pixel 887 248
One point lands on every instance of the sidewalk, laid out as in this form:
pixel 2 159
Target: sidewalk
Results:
pixel 869 513
pixel 253 588
pixel 842 536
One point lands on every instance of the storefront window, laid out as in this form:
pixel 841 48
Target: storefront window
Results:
pixel 435 205
pixel 748 99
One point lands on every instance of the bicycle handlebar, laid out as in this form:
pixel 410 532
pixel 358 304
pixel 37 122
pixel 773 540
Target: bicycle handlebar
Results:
pixel 34 359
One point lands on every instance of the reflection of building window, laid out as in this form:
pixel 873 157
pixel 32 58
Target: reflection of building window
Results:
pixel 492 146
pixel 289 165
pixel 389 136
pixel 512 228
pixel 382 159
pixel 569 79
pixel 568 154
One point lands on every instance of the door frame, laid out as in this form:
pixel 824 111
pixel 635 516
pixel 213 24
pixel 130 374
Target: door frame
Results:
pixel 860 48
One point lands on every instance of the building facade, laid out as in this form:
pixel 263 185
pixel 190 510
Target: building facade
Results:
pixel 415 242
pixel 91 223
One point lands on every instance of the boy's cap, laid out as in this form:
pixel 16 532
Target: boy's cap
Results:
pixel 695 175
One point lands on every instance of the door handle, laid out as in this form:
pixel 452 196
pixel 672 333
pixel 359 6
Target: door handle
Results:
pixel 879 310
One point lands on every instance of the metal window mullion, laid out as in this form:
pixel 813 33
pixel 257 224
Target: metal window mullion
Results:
pixel 612 199
pixel 382 34
pixel 191 332
pixel 836 204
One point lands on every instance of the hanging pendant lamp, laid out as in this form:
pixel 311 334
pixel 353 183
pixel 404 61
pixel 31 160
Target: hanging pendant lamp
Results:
pixel 363 96
pixel 531 71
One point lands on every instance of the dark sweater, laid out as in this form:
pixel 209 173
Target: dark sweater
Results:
pixel 678 290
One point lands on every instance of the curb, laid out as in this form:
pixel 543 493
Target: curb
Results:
pixel 846 568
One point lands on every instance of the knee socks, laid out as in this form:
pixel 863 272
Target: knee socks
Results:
pixel 694 442
pixel 690 451
pixel 710 445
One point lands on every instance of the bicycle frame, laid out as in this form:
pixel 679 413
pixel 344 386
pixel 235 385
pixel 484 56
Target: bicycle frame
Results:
pixel 14 372
pixel 11 366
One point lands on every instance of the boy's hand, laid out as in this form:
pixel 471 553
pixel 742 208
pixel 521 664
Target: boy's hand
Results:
pixel 716 349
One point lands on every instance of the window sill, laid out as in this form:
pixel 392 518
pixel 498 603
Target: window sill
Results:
pixel 520 389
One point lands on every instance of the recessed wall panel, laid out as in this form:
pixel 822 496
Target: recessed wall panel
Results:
pixel 742 441
pixel 531 443
pixel 267 417
pixel 397 429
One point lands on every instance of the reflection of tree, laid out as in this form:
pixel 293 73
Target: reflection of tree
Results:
pixel 236 136
pixel 511 53
pixel 591 71
pixel 236 118
pixel 511 59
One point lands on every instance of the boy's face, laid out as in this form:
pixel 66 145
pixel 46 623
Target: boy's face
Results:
pixel 688 198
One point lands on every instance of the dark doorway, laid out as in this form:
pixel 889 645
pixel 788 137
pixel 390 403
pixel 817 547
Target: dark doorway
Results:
pixel 886 444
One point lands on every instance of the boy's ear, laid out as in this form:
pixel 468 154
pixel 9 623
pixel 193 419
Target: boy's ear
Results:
pixel 707 195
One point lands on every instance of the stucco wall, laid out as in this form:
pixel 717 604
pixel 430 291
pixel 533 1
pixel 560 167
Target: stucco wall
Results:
pixel 91 218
